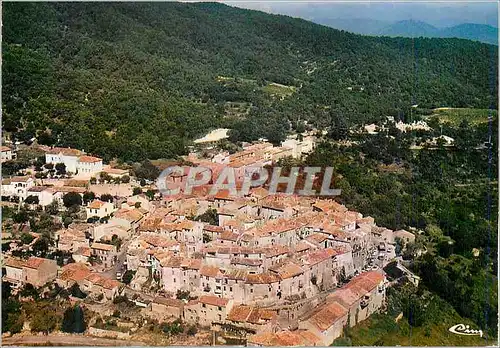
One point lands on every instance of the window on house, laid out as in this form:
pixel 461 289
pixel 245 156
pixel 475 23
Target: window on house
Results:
pixel 204 305
pixel 230 288
pixel 220 308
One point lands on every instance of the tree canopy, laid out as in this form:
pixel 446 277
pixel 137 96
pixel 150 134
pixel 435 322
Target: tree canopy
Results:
pixel 139 81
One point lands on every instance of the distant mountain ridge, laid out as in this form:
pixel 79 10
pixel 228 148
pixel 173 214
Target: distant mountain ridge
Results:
pixel 411 28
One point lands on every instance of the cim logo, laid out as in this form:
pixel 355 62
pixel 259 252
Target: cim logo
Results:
pixel 462 329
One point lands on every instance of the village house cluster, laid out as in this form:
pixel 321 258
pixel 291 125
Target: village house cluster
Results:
pixel 277 269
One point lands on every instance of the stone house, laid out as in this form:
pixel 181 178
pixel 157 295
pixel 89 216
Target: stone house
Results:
pixel 17 186
pixel 106 253
pixel 213 309
pixel 6 153
pixel 36 271
pixel 327 322
pixel 163 307
pixel 97 284
pixel 88 165
pixel 73 273
pixel 67 156
pixel 253 318
pixel 99 208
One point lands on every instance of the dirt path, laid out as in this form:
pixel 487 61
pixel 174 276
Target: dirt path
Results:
pixel 73 340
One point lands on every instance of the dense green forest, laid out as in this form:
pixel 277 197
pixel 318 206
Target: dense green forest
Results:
pixel 140 80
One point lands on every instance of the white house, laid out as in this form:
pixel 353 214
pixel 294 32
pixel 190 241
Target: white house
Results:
pixel 299 147
pixel 6 153
pixel 89 165
pixel 64 155
pixel 99 208
pixel 17 186
pixel 45 194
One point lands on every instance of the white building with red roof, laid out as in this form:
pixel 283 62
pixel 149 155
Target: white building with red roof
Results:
pixel 89 165
pixel 6 153
pixel 74 160
pixel 99 209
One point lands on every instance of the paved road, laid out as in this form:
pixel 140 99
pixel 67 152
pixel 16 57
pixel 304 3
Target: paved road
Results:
pixel 118 266
pixel 70 340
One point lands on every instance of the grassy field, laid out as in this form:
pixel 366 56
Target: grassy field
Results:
pixel 456 115
pixel 382 330
pixel 279 90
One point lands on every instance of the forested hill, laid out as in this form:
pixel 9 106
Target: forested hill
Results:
pixel 136 80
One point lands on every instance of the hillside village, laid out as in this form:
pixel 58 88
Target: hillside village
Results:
pixel 271 269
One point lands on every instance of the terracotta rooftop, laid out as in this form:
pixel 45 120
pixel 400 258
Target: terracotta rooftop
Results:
pixel 89 159
pixel 83 251
pixel 96 204
pixel 156 240
pixel 246 261
pixel 366 281
pixel 75 271
pixel 315 257
pixel 36 262
pixel 287 270
pixel 15 263
pixel 343 296
pixel 102 281
pixel 209 271
pixel 214 229
pixel 191 264
pixel 170 302
pixel 102 246
pixel 214 301
pixel 286 338
pixel 38 188
pixel 67 189
pixel 128 214
pixel 328 315
pixel 263 278
pixel 20 178
pixel 253 315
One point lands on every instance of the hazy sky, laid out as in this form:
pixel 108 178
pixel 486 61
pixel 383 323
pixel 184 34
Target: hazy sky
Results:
pixel 439 14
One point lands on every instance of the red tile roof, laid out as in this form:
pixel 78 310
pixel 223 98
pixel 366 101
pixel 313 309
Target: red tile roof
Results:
pixel 74 271
pixel 36 262
pixel 15 263
pixel 96 204
pixel 102 246
pixel 286 338
pixel 209 271
pixel 169 302
pixel 287 270
pixel 102 281
pixel 328 315
pixel 253 315
pixel 89 159
pixel 366 281
pixel 315 257
pixel 214 301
